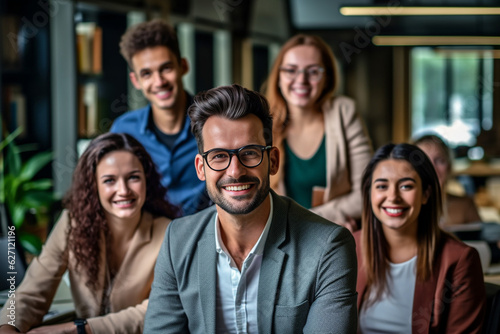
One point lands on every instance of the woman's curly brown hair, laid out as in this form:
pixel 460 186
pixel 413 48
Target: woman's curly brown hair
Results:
pixel 86 212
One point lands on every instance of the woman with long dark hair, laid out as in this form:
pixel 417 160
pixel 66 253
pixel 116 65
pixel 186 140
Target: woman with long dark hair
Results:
pixel 108 238
pixel 412 276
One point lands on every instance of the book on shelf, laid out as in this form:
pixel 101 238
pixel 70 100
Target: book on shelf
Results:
pixel 82 113
pixel 15 104
pixel 89 48
pixel 9 26
pixel 88 111
pixel 97 51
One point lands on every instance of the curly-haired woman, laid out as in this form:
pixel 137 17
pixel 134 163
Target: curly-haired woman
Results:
pixel 108 238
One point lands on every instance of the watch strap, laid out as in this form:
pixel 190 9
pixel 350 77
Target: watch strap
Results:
pixel 80 325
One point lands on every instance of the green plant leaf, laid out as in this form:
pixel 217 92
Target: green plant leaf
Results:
pixel 2 189
pixel 19 191
pixel 34 164
pixel 31 243
pixel 4 143
pixel 18 212
pixel 11 186
pixel 37 199
pixel 4 182
pixel 10 138
pixel 27 147
pixel 13 159
pixel 42 184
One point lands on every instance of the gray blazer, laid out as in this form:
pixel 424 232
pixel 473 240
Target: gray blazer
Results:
pixel 307 277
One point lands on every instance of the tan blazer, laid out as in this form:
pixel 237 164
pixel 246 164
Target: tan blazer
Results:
pixel 348 151
pixel 453 300
pixel 129 295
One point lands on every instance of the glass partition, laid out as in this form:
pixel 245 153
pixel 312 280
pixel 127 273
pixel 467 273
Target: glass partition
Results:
pixel 451 93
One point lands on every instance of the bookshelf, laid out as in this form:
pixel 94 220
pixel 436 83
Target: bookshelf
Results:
pixel 89 54
pixel 90 77
pixel 24 68
pixel 101 70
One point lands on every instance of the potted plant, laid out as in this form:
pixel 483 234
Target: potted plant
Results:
pixel 22 194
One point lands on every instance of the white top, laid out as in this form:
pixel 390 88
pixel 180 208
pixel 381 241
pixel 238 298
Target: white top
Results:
pixel 393 312
pixel 237 291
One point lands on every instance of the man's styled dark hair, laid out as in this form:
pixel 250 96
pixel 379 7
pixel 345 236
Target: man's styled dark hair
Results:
pixel 147 35
pixel 231 102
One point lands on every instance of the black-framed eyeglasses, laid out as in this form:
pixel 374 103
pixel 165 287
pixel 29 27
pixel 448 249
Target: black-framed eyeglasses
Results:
pixel 249 156
pixel 313 73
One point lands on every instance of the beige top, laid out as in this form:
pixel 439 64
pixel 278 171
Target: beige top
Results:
pixel 129 294
pixel 348 151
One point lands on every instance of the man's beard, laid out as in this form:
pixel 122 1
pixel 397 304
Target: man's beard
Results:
pixel 218 198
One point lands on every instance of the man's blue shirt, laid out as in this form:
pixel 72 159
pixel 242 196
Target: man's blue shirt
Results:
pixel 175 166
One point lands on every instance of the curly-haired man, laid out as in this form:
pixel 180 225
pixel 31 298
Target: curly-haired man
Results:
pixel 151 50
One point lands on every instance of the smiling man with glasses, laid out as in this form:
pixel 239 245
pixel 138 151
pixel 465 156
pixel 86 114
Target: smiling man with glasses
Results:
pixel 255 262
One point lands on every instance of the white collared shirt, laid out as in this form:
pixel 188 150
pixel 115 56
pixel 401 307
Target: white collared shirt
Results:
pixel 237 291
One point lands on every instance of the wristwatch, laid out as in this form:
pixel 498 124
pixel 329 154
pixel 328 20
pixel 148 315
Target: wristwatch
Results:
pixel 80 325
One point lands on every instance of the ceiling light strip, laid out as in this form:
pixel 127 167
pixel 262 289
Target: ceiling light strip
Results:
pixel 434 40
pixel 402 11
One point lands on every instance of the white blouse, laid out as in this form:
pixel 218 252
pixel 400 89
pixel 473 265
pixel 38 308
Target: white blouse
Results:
pixel 392 313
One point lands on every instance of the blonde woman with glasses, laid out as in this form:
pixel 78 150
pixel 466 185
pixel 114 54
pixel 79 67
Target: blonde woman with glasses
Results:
pixel 323 143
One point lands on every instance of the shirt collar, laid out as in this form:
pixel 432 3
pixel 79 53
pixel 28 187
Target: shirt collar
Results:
pixel 258 248
pixel 148 117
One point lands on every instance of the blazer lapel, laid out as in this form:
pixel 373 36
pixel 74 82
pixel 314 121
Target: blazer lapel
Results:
pixel 271 267
pixel 142 235
pixel 423 300
pixel 427 302
pixel 207 276
pixel 423 304
pixel 95 297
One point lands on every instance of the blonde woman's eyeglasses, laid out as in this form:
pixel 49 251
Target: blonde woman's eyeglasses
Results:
pixel 313 73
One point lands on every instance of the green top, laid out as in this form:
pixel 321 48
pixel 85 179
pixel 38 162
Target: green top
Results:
pixel 302 175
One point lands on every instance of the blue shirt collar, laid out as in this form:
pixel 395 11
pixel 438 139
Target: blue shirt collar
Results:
pixel 144 124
